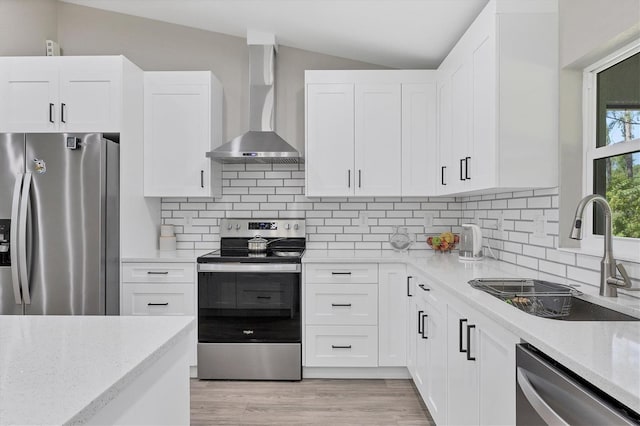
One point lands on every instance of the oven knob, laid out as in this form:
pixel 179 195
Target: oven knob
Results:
pixel 237 226
pixel 287 226
pixel 295 226
pixel 229 227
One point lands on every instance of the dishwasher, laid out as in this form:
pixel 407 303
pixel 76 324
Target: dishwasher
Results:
pixel 548 393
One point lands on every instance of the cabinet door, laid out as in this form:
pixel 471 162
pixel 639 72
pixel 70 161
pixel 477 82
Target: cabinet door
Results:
pixel 330 140
pixel 422 348
pixel 392 332
pixel 481 164
pixel 462 373
pixel 436 379
pixel 378 145
pixel 29 94
pixel 419 139
pixel 411 326
pixel 461 124
pixel 90 94
pixel 177 135
pixel 445 170
pixel 497 374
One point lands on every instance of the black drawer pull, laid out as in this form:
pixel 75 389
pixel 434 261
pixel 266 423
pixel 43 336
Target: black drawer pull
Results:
pixel 340 346
pixel 345 305
pixel 469 357
pixel 63 108
pixel 409 286
pixel 423 287
pixel 462 321
pixel 466 167
pixel 50 113
pixel 461 169
pixel 158 304
pixel 263 297
pixel 442 169
pixel 341 273
pixel 158 272
pixel 424 328
pixel 420 322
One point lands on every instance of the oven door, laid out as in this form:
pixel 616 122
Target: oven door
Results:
pixel 249 303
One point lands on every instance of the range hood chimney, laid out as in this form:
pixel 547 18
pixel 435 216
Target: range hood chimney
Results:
pixel 261 144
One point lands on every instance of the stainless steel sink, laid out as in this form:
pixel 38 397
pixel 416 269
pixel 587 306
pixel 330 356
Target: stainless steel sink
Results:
pixel 547 299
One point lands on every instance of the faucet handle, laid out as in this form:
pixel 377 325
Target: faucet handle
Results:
pixel 625 282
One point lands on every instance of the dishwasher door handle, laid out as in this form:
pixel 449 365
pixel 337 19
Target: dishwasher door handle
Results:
pixel 539 405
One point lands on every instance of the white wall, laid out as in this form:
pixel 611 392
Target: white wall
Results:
pixel 25 25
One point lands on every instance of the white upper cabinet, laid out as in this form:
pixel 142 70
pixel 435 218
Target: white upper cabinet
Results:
pixel 378 139
pixel 500 129
pixel 330 139
pixel 419 139
pixel 359 125
pixel 61 94
pixel 182 122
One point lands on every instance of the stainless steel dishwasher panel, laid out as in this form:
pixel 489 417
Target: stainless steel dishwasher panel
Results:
pixel 547 394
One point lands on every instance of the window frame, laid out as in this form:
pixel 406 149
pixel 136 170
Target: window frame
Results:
pixel 624 248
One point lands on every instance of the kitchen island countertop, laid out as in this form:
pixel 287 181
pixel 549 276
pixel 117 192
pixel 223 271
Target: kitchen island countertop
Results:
pixel 65 369
pixel 607 354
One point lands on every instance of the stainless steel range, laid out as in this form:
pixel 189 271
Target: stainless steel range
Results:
pixel 249 323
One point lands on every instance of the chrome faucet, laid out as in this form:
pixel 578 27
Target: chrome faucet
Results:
pixel 609 282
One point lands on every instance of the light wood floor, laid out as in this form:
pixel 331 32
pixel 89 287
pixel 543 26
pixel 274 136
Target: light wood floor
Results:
pixel 309 402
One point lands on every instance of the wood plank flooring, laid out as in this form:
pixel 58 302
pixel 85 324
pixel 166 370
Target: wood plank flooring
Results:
pixel 309 402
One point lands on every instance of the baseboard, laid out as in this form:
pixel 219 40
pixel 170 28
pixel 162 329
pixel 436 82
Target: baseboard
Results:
pixel 355 373
pixel 193 372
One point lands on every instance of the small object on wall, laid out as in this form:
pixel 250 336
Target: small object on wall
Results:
pixel 167 238
pixel 53 48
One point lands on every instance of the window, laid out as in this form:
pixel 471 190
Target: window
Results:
pixel 612 148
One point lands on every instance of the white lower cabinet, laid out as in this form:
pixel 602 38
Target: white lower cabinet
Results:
pixel 462 363
pixel 392 315
pixel 342 346
pixel 480 370
pixel 160 289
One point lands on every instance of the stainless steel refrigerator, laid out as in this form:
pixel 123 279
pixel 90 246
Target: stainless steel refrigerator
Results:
pixel 59 224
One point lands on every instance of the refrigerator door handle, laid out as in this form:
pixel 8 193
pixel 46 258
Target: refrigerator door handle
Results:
pixel 15 206
pixel 22 238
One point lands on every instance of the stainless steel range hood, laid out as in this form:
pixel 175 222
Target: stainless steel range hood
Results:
pixel 261 144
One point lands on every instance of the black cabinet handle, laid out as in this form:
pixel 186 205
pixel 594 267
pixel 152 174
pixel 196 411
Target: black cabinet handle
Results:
pixel 263 297
pixel 158 304
pixel 424 328
pixel 349 178
pixel 461 169
pixel 201 178
pixel 466 168
pixel 63 107
pixel 359 178
pixel 420 321
pixel 341 273
pixel 409 286
pixel 462 321
pixel 469 357
pixel 442 169
pixel 343 305
pixel 340 346
pixel 423 287
pixel 158 272
pixel 50 113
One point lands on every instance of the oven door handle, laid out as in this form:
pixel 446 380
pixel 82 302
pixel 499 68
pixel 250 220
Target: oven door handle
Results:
pixel 293 268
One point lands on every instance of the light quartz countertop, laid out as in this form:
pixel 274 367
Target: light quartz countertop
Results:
pixel 166 256
pixel 64 369
pixel 607 354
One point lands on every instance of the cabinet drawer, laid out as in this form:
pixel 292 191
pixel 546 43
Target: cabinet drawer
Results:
pixel 157 299
pixel 341 346
pixel 158 273
pixel 341 304
pixel 341 273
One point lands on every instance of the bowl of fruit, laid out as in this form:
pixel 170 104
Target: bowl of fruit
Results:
pixel 445 242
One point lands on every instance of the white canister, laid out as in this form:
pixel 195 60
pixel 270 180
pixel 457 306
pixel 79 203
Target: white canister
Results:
pixel 167 231
pixel 167 243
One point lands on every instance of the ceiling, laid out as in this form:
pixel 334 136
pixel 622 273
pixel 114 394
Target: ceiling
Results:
pixel 392 33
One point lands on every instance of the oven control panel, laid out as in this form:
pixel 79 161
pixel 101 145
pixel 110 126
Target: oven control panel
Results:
pixel 268 228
